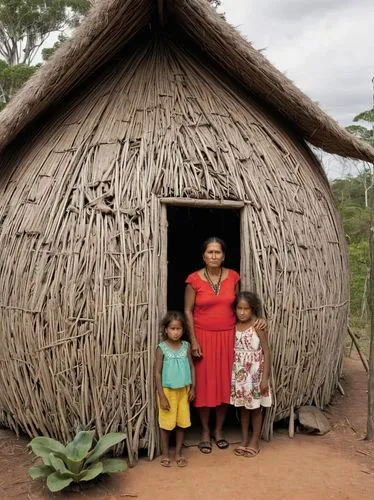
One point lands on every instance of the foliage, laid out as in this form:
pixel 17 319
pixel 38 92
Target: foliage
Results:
pixel 352 200
pixel 356 222
pixel 359 264
pixel 367 116
pixel 26 24
pixel 351 189
pixel 80 460
pixel 11 79
pixel 361 132
pixel 47 52
pixel 366 133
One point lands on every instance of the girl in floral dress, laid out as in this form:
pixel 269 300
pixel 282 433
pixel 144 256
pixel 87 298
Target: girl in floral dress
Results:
pixel 251 371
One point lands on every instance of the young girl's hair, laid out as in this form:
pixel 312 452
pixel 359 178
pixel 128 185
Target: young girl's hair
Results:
pixel 213 239
pixel 252 300
pixel 168 318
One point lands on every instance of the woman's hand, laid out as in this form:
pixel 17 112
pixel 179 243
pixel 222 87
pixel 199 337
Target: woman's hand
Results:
pixel 260 324
pixel 196 349
pixel 191 393
pixel 164 403
pixel 264 387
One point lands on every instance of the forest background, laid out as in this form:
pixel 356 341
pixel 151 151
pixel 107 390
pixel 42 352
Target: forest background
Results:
pixel 25 29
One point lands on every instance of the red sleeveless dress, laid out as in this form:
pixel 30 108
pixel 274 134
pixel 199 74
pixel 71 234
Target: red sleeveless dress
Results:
pixel 214 323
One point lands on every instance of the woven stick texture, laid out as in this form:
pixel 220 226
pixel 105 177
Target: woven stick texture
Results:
pixel 81 228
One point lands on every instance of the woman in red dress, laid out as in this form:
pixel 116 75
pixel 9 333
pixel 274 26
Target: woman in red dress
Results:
pixel 209 298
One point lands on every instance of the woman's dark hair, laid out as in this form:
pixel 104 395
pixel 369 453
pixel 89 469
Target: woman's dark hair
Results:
pixel 213 239
pixel 173 316
pixel 252 300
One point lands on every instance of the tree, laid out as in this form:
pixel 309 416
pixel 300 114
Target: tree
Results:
pixel 26 24
pixel 11 79
pixel 47 52
pixel 370 423
pixel 365 133
pixel 24 27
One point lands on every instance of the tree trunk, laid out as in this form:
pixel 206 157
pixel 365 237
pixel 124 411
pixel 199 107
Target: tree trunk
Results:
pixel 370 424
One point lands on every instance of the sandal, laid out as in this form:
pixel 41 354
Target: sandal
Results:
pixel 165 462
pixel 222 444
pixel 240 451
pixel 251 452
pixel 205 447
pixel 181 462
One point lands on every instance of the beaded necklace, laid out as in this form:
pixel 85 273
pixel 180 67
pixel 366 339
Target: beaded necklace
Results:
pixel 215 286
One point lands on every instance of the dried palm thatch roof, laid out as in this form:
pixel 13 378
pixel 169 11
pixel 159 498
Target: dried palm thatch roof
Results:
pixel 112 23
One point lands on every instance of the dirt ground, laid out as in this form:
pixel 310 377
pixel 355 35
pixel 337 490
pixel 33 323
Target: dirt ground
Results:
pixel 339 465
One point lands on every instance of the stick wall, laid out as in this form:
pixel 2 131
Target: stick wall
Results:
pixel 81 230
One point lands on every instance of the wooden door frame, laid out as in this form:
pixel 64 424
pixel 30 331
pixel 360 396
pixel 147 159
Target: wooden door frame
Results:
pixel 192 203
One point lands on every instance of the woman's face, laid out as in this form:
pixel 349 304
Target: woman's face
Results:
pixel 213 255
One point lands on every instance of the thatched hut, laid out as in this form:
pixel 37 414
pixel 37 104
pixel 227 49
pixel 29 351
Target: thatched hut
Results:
pixel 156 126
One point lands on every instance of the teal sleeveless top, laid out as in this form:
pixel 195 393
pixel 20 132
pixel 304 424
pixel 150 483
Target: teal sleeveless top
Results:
pixel 176 371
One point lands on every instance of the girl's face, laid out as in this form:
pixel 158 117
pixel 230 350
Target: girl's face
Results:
pixel 243 311
pixel 213 255
pixel 174 330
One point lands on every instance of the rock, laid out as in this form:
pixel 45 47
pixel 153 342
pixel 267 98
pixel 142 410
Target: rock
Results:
pixel 313 419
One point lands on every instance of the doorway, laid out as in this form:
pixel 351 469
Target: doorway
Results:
pixel 188 228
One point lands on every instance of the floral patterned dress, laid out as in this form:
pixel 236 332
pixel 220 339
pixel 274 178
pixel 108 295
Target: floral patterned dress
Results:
pixel 247 371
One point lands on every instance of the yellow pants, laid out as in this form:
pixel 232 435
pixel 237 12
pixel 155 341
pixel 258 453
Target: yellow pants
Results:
pixel 179 413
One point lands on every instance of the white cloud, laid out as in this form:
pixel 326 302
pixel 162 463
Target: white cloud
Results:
pixel 325 47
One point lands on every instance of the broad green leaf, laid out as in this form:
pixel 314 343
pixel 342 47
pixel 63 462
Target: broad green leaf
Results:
pixel 43 446
pixel 59 466
pixel 104 444
pixel 91 472
pixel 57 482
pixel 74 466
pixel 111 465
pixel 46 460
pixel 38 471
pixel 80 446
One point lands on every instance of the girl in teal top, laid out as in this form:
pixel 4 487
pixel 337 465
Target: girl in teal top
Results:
pixel 175 382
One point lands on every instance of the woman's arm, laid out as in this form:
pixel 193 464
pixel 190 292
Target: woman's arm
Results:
pixel 164 403
pixel 263 336
pixel 189 303
pixel 192 368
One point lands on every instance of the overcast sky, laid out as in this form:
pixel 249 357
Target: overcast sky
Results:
pixel 326 47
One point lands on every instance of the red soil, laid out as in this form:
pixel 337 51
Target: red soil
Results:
pixel 337 466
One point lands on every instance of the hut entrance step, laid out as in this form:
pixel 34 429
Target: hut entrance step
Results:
pixel 188 228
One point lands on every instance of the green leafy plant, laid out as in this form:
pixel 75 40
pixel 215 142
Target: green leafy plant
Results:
pixel 80 460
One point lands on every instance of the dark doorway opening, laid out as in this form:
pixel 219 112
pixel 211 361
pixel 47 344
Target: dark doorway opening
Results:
pixel 188 228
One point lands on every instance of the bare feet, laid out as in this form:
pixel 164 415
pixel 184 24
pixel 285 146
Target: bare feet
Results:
pixel 165 462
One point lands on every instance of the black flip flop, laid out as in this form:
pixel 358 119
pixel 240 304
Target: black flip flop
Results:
pixel 205 447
